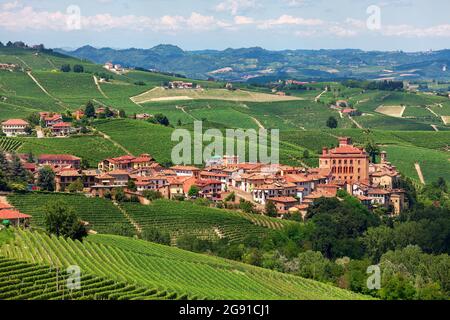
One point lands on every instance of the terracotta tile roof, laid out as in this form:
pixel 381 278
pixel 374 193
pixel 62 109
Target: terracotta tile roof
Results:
pixel 15 122
pixel 118 173
pixel 378 191
pixel 69 173
pixel 284 199
pixel 62 125
pixel 12 215
pixel 4 206
pixel 58 157
pixel 185 168
pixel 206 182
pixel 213 174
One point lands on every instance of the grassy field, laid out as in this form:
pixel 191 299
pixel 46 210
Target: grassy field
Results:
pixel 177 273
pixel 91 148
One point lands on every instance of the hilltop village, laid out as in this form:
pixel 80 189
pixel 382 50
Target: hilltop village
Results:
pixel 290 189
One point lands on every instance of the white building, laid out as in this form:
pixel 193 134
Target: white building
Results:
pixel 14 127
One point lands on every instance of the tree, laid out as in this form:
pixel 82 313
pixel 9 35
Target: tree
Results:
pixel 271 209
pixel 28 130
pixel 332 123
pixel 84 164
pixel 372 149
pixel 78 68
pixel 76 186
pixel 18 172
pixel 160 119
pixel 246 206
pixel 122 113
pixel 34 119
pixel 194 191
pixel 119 195
pixel 131 185
pixel 30 157
pixel 65 68
pixel 46 179
pixel 306 154
pixel 89 111
pixel 4 165
pixel 152 195
pixel 61 220
pixel 155 235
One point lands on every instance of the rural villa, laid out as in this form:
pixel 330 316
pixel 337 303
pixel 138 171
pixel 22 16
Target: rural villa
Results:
pixel 15 127
pixel 291 189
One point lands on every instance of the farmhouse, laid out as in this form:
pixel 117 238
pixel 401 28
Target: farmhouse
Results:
pixel 59 160
pixel 50 119
pixel 61 129
pixel 346 162
pixel 15 127
pixel 180 85
pixel 7 66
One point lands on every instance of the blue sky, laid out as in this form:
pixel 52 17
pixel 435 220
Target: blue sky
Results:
pixel 410 25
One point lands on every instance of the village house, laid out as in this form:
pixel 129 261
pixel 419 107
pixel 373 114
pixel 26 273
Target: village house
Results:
pixel 59 160
pixel 78 114
pixel 8 66
pixel 66 177
pixel 283 204
pixel 266 192
pixel 384 174
pixel 61 129
pixel 143 116
pixel 351 112
pixel 15 127
pixel 127 162
pixel 347 163
pixel 50 119
pixel 186 171
pixel 209 188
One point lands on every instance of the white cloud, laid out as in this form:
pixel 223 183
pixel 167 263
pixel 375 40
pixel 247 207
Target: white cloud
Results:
pixel 241 20
pixel 289 20
pixel 11 5
pixel 235 6
pixel 409 31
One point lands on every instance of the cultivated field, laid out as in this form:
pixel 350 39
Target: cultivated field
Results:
pixel 392 111
pixel 160 94
pixel 173 273
pixel 101 214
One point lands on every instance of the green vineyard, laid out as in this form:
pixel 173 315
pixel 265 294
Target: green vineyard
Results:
pixel 25 281
pixel 181 218
pixel 9 144
pixel 101 214
pixel 125 265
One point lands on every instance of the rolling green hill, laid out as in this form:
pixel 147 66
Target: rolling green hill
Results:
pixel 172 272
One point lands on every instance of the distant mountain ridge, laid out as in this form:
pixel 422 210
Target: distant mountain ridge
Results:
pixel 258 64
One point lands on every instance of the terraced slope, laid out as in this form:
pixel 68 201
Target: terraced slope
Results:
pixel 27 281
pixel 174 271
pixel 100 213
pixel 182 218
